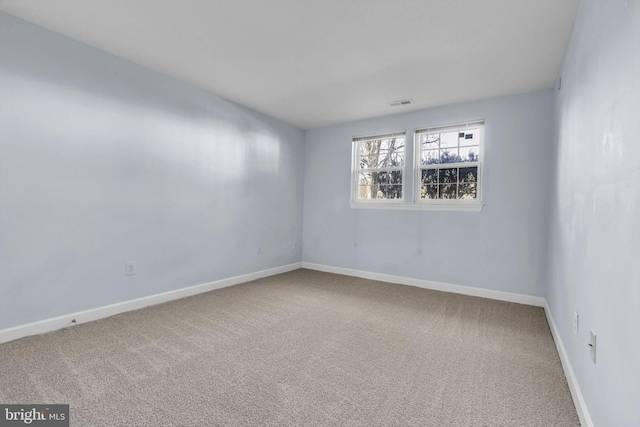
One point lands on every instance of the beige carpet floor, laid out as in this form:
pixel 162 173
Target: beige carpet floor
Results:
pixel 301 349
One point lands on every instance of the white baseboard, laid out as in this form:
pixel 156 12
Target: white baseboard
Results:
pixel 49 325
pixel 428 284
pixel 53 324
pixel 576 393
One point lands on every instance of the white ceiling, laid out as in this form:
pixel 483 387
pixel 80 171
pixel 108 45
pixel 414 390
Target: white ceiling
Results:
pixel 313 63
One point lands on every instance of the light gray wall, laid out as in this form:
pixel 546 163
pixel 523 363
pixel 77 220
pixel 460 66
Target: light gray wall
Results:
pixel 500 248
pixel 595 220
pixel 102 162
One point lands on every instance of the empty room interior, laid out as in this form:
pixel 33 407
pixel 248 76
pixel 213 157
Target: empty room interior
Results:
pixel 367 213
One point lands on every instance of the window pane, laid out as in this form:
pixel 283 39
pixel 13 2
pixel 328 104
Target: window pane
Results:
pixel 368 151
pixel 447 191
pixel 429 191
pixel 469 174
pixel 449 140
pixel 378 159
pixel 364 178
pixel 366 162
pixel 430 142
pixel 368 154
pixel 396 158
pixel 468 191
pixel 430 157
pixel 449 155
pixel 387 158
pixel 380 177
pixel 367 147
pixel 469 154
pixel 380 185
pixel 364 191
pixel 448 175
pixel 444 149
pixel 381 153
pixel 430 176
pixel 469 137
pixel 395 177
pixel 392 191
pixel 392 143
pixel 366 186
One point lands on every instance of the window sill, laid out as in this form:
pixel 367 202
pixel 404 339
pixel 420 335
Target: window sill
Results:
pixel 435 207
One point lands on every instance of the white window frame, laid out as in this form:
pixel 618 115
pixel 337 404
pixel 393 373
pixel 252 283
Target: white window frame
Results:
pixel 472 205
pixel 411 183
pixel 355 169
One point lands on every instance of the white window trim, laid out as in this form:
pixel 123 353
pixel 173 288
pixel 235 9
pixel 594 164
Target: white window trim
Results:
pixel 376 203
pixel 413 202
pixel 448 205
pixel 408 206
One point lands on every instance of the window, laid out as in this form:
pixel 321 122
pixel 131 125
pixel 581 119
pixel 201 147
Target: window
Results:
pixel 448 165
pixel 378 168
pixel 447 169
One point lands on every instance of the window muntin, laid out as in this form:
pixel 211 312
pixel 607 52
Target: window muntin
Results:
pixel 449 163
pixel 379 163
pixel 445 163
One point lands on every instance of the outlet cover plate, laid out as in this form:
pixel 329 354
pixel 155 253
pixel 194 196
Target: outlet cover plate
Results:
pixel 592 345
pixel 130 268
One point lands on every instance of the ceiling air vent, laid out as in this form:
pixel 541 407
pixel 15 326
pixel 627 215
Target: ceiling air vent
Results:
pixel 401 102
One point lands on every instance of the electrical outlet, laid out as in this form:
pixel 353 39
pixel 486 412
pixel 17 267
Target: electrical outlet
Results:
pixel 575 323
pixel 259 249
pixel 130 268
pixel 295 244
pixel 592 345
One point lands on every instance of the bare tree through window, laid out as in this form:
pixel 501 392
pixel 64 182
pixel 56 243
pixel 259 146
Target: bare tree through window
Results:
pixel 381 163
pixel 445 171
